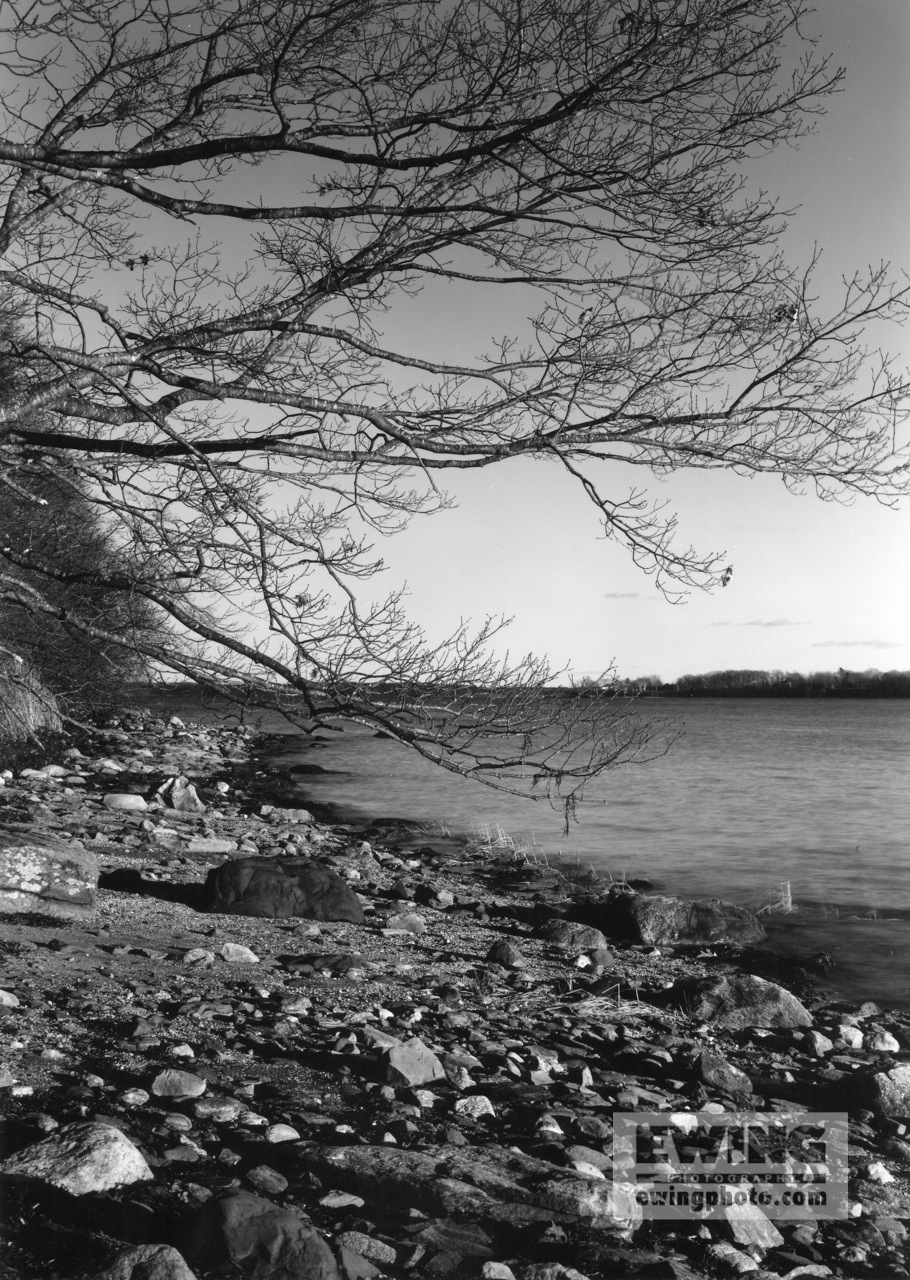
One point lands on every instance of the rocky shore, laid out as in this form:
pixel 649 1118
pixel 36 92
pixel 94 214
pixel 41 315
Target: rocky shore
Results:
pixel 406 1063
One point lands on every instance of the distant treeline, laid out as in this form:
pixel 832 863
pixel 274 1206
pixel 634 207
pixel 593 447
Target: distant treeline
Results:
pixel 773 684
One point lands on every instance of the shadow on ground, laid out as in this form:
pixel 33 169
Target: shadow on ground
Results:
pixel 129 880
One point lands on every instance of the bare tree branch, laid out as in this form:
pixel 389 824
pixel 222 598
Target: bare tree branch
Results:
pixel 214 214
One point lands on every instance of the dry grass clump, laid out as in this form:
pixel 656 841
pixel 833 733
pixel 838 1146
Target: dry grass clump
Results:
pixel 27 708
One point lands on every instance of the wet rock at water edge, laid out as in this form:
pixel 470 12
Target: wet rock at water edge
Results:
pixel 48 876
pixel 278 888
pixel 80 1158
pixel 258 1239
pixel 655 920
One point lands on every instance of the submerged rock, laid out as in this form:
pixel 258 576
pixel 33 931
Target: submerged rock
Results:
pixel 654 920
pixel 279 888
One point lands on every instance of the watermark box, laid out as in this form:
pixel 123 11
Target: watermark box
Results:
pixel 697 1164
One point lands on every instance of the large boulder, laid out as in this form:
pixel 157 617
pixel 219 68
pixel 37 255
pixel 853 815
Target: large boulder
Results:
pixel 656 920
pixel 47 875
pixel 79 1158
pixel 490 1184
pixel 249 1236
pixel 279 888
pixel 737 1000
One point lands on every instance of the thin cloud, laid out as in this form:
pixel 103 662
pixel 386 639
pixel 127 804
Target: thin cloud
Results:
pixel 857 644
pixel 760 622
pixel 622 595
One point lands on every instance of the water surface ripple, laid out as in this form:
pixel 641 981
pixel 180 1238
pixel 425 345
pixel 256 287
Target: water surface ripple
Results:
pixel 755 793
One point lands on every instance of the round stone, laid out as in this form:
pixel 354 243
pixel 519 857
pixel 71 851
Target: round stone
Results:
pixel 281 1133
pixel 124 800
pixel 178 1084
pixel 133 1098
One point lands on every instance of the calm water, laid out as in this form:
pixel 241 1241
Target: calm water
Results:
pixel 811 792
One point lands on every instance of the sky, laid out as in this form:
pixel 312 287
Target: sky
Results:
pixel 815 585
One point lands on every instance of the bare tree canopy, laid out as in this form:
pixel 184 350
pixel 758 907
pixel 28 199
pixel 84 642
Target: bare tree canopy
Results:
pixel 215 215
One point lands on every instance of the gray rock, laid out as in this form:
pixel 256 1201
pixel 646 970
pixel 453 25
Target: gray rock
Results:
pixel 655 920
pixel 727 1260
pixel 148 1262
pixel 234 953
pixel 474 1106
pixel 716 1072
pixel 80 1158
pixel 179 794
pixel 749 1226
pixel 550 1271
pixel 407 922
pixel 368 1247
pixel 259 1239
pixel 125 800
pixel 265 1179
pixel 571 935
pixel 891 1092
pixel 506 954
pixel 211 844
pixel 278 888
pixel 413 1063
pixel 172 1083
pixel 738 1000
pixel 48 876
pixel 472 1184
